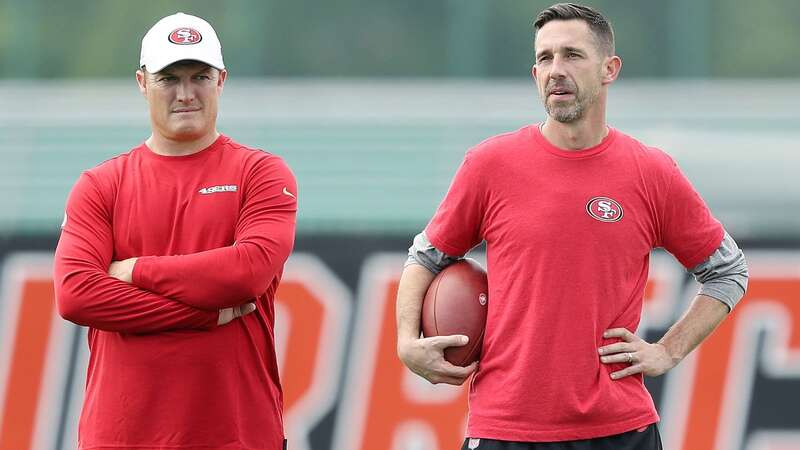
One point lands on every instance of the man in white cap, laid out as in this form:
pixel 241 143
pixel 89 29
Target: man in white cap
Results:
pixel 171 254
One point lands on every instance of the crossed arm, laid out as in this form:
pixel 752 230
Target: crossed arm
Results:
pixel 160 293
pixel 224 277
pixel 87 295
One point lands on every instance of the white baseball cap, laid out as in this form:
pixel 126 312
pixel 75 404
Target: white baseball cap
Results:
pixel 179 37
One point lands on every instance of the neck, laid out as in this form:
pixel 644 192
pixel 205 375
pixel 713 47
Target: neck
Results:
pixel 584 133
pixel 163 145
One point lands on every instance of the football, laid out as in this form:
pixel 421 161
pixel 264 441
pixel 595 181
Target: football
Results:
pixel 456 303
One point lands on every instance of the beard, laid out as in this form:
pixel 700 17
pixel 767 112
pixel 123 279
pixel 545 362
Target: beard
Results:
pixel 571 111
pixel 565 113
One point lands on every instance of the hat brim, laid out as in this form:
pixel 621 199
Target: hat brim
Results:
pixel 185 54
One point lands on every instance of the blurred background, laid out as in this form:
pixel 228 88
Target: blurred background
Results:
pixel 373 104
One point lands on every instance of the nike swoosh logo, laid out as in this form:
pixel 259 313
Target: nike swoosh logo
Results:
pixel 286 191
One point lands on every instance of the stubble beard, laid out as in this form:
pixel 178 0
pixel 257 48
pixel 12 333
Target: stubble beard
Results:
pixel 572 111
pixel 566 113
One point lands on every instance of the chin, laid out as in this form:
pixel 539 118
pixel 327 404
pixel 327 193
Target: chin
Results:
pixel 186 134
pixel 186 131
pixel 564 115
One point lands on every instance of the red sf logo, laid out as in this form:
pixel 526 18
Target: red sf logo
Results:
pixel 185 36
pixel 604 209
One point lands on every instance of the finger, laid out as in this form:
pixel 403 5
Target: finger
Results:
pixel 113 269
pixel 243 310
pixel 628 371
pixel 455 381
pixel 619 358
pixel 617 347
pixel 452 370
pixel 621 333
pixel 225 316
pixel 455 340
pixel 247 308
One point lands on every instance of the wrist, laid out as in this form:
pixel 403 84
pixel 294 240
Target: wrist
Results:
pixel 404 343
pixel 671 353
pixel 140 271
pixel 133 268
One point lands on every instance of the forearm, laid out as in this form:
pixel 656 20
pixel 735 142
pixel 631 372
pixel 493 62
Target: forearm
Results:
pixel 414 284
pixel 724 278
pixel 425 356
pixel 703 316
pixel 93 299
pixel 87 295
pixel 228 276
pixel 424 262
pixel 213 279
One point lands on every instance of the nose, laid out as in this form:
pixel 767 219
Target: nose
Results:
pixel 185 93
pixel 557 68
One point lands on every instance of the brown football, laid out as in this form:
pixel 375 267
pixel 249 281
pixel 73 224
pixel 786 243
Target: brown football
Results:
pixel 456 303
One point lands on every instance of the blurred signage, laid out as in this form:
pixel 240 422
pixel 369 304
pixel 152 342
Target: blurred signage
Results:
pixel 344 387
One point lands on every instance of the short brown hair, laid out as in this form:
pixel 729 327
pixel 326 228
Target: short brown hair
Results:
pixel 600 26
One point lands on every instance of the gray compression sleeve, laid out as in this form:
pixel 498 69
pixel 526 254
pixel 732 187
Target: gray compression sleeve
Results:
pixel 424 253
pixel 724 274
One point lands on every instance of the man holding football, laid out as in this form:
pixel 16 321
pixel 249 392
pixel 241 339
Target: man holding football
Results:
pixel 171 254
pixel 570 210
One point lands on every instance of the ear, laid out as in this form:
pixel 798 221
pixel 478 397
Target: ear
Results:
pixel 223 75
pixel 533 72
pixel 611 69
pixel 141 80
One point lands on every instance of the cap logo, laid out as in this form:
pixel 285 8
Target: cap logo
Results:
pixel 185 36
pixel 604 209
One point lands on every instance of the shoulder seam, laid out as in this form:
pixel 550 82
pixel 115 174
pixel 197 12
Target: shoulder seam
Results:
pixel 238 146
pixel 498 136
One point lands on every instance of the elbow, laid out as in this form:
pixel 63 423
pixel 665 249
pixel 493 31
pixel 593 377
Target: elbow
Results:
pixel 237 287
pixel 69 303
pixel 68 306
pixel 257 283
pixel 744 272
pixel 261 271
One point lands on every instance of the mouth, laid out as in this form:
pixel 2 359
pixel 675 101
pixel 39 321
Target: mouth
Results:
pixel 561 93
pixel 185 110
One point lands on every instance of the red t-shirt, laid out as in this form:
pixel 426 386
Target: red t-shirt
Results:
pixel 212 230
pixel 568 236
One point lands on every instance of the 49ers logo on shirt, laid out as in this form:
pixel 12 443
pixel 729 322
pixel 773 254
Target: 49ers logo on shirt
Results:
pixel 185 36
pixel 221 188
pixel 604 209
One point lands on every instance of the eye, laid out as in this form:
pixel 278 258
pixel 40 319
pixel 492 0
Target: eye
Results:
pixel 167 78
pixel 543 58
pixel 202 77
pixel 573 55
